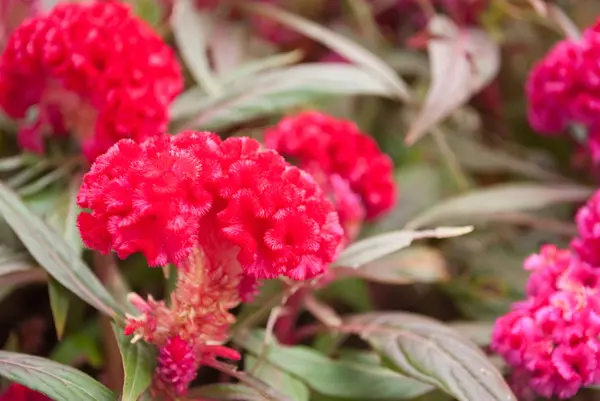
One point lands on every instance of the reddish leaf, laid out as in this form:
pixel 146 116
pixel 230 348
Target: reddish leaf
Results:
pixel 463 61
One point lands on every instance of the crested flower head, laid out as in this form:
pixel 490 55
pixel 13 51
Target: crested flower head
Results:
pixel 169 195
pixel 91 69
pixel 551 340
pixel 347 163
pixel 226 213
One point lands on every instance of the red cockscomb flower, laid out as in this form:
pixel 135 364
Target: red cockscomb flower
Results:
pixel 335 150
pixel 18 392
pixel 89 68
pixel 226 213
pixel 169 195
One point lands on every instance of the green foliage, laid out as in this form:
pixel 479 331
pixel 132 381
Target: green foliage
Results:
pixel 432 353
pixel 335 378
pixel 55 380
pixel 53 253
pixel 138 363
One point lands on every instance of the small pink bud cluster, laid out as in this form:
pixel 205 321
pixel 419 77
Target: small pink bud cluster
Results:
pixel 552 338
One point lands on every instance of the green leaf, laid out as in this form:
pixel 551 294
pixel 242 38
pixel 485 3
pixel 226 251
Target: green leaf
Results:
pixel 422 186
pixel 277 378
pixel 12 261
pixel 351 291
pixel 148 10
pixel 13 162
pixel 26 175
pixel 192 29
pixel 483 159
pixel 431 352
pixel 60 382
pixel 417 264
pixel 81 346
pixel 486 202
pixel 63 216
pixel 273 92
pixel 254 67
pixel 44 203
pixel 479 332
pixel 227 392
pixel 54 254
pixel 359 356
pixel 335 378
pixel 370 249
pixel 138 363
pixel 347 48
pixel 59 302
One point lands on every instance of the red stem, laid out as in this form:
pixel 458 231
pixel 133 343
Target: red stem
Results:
pixel 286 324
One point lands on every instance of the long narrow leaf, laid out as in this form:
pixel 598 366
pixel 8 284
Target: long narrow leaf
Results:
pixel 338 43
pixel 58 381
pixel 273 92
pixel 137 364
pixel 53 253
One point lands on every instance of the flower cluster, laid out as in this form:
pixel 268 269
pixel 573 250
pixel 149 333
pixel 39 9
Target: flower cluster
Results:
pixel 347 164
pixel 18 392
pixel 551 339
pixel 226 213
pixel 562 88
pixel 92 69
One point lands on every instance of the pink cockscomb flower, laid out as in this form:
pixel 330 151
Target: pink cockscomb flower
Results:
pixel 18 392
pixel 587 242
pixel 551 339
pixel 347 163
pixel 91 69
